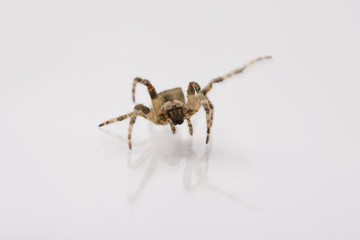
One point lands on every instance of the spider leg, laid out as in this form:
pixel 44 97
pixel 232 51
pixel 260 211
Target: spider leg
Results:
pixel 115 119
pixel 187 116
pixel 152 92
pixel 171 125
pixel 211 110
pixel 120 118
pixel 206 89
pixel 139 109
pixel 194 104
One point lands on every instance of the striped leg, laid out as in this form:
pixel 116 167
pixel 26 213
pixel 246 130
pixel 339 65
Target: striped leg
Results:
pixel 187 116
pixel 139 109
pixel 206 89
pixel 193 105
pixel 203 101
pixel 115 119
pixel 152 92
pixel 211 111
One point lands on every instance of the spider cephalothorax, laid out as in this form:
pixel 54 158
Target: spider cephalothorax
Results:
pixel 175 111
pixel 169 106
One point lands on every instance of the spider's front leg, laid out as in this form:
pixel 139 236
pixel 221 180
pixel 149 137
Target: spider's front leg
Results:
pixel 194 104
pixel 211 110
pixel 187 117
pixel 139 109
pixel 152 92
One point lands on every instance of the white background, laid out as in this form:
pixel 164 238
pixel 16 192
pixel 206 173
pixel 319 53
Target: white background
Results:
pixel 283 159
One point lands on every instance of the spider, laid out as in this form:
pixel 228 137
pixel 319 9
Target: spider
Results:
pixel 169 107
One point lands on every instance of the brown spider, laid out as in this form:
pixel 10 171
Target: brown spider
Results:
pixel 169 106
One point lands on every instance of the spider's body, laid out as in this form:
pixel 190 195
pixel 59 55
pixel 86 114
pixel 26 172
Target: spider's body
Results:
pixel 169 106
pixel 172 102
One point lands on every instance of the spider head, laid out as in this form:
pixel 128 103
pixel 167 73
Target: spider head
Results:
pixel 174 110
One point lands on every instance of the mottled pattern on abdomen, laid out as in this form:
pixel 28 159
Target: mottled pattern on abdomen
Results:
pixel 171 95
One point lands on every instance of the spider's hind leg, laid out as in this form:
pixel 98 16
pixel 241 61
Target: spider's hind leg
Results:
pixel 206 89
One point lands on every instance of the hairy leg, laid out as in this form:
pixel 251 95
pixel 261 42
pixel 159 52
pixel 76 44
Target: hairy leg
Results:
pixel 206 89
pixel 187 116
pixel 211 110
pixel 120 118
pixel 195 102
pixel 152 92
pixel 139 109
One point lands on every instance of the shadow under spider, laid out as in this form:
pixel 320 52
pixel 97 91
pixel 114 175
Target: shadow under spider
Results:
pixel 161 147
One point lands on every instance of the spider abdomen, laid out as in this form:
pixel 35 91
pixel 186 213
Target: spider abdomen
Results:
pixel 171 95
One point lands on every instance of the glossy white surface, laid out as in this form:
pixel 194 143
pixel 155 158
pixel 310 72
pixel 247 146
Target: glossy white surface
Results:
pixel 283 159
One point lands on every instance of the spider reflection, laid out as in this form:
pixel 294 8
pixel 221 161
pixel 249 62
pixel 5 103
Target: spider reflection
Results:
pixel 170 150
